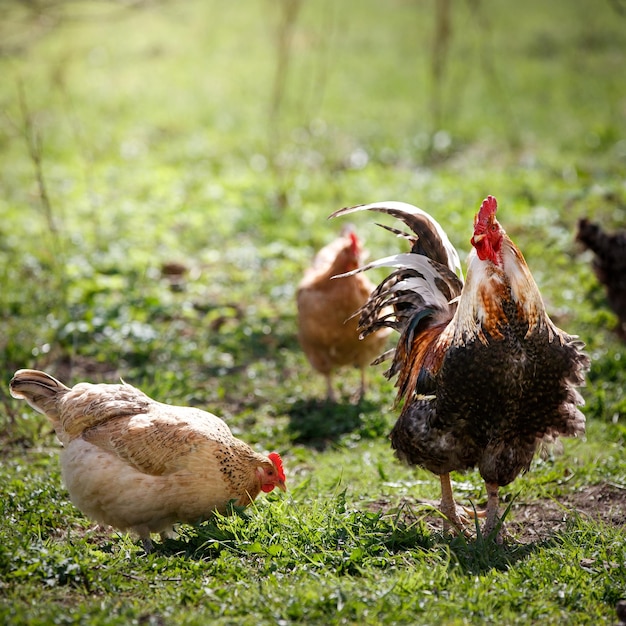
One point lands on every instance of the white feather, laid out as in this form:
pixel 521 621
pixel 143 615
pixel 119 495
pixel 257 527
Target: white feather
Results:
pixel 432 296
pixel 417 262
pixel 454 262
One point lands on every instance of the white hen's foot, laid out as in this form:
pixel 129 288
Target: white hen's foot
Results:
pixel 147 544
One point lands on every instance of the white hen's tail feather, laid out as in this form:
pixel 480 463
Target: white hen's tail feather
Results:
pixel 39 389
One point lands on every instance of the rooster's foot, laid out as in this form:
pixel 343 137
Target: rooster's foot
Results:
pixel 455 516
pixel 460 519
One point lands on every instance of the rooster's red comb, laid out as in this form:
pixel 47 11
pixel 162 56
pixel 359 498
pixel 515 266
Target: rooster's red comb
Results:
pixel 274 457
pixel 488 207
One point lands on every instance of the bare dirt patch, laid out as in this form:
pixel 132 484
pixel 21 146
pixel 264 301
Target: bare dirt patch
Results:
pixel 530 521
pixel 536 520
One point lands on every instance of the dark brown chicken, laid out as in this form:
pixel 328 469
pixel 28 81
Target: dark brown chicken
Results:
pixel 485 376
pixel 609 264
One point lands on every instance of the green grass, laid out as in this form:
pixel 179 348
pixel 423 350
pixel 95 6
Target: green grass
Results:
pixel 133 138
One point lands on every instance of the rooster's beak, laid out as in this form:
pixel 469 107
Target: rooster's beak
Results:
pixel 281 485
pixel 477 238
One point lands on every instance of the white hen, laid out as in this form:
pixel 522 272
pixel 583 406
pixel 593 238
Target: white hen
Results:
pixel 140 465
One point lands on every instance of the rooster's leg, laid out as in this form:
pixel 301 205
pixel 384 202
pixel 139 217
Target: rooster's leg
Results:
pixel 448 507
pixel 492 511
pixel 455 515
pixel 470 513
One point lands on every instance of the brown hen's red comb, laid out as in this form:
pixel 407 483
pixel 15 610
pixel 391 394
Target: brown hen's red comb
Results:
pixel 274 457
pixel 488 207
pixel 355 242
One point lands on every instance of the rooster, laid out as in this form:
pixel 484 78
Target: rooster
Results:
pixel 327 330
pixel 485 376
pixel 609 265
pixel 136 464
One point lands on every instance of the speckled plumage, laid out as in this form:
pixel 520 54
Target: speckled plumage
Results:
pixel 140 465
pixel 485 376
pixel 494 404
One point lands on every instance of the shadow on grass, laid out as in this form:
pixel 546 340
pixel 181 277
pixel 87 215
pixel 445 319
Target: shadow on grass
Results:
pixel 317 423
pixel 333 534
pixel 330 535
pixel 474 555
pixel 205 540
pixel 205 544
pixel 359 539
pixel 482 554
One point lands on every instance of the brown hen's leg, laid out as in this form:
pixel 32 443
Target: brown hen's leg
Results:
pixel 493 502
pixel 361 392
pixel 330 392
pixel 456 516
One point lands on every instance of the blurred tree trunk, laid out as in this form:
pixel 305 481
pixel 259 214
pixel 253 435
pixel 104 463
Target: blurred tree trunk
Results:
pixel 289 12
pixel 440 48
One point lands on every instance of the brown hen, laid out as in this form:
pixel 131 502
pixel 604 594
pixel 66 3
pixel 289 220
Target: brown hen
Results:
pixel 139 465
pixel 327 328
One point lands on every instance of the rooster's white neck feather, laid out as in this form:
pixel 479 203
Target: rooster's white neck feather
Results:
pixel 487 285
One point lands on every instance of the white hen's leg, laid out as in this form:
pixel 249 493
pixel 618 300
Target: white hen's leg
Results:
pixel 144 536
pixel 147 544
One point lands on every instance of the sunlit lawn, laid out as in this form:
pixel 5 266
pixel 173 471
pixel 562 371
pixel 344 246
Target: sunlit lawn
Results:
pixel 213 139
